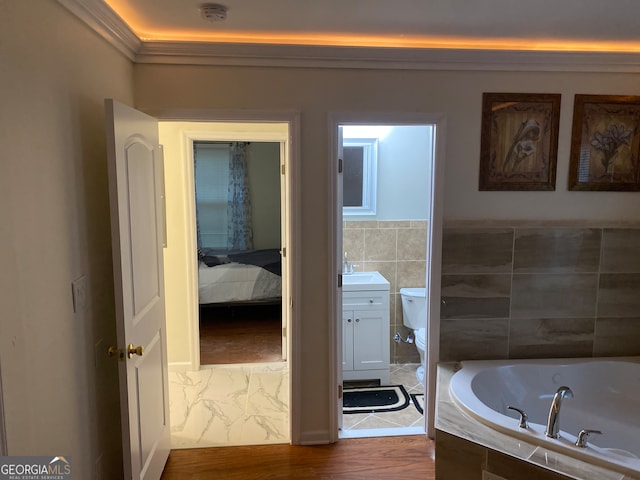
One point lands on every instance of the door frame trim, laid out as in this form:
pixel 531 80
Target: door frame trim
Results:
pixel 3 427
pixel 434 248
pixel 292 177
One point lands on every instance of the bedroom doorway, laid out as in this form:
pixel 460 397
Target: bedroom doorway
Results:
pixel 238 233
pixel 210 403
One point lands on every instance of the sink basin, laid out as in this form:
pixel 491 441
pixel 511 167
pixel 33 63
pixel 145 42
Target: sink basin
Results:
pixel 356 281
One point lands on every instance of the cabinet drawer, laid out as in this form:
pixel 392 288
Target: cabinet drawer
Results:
pixel 366 299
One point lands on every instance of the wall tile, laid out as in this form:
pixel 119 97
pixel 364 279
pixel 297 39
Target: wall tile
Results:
pixel 551 337
pixel 380 244
pixel 412 274
pixel 556 250
pixel 403 352
pixel 353 244
pixel 477 250
pixel 474 339
pixel 389 270
pixel 621 250
pixel 617 336
pixel 475 296
pixel 619 295
pixel 554 296
pixel 412 244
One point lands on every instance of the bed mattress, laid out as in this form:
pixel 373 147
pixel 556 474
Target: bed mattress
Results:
pixel 236 282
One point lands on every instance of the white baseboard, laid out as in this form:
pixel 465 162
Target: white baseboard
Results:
pixel 182 367
pixel 316 437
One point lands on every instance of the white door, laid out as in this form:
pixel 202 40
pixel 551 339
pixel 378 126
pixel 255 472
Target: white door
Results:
pixel 136 190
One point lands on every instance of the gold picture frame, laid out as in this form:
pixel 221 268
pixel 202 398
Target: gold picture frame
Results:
pixel 519 141
pixel 605 143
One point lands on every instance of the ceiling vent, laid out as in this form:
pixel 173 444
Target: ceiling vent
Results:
pixel 214 12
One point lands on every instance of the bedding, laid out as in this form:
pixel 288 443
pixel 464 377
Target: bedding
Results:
pixel 231 277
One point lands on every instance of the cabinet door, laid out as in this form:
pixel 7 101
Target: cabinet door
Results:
pixel 370 340
pixel 347 340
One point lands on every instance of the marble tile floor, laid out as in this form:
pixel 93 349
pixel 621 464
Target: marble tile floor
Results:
pixel 408 421
pixel 225 405
pixel 248 404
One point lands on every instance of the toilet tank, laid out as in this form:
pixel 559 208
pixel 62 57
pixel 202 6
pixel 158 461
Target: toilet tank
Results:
pixel 414 307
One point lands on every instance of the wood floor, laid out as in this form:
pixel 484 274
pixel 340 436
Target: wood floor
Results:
pixel 383 458
pixel 245 334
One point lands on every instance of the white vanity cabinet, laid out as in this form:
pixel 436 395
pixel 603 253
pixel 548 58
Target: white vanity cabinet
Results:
pixel 365 334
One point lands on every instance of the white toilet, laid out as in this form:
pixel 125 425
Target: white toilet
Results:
pixel 414 316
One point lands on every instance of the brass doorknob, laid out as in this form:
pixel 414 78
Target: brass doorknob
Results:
pixel 131 350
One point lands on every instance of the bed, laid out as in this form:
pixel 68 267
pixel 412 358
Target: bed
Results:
pixel 236 277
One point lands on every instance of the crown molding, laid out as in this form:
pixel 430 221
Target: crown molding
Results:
pixel 104 21
pixel 383 58
pixel 99 16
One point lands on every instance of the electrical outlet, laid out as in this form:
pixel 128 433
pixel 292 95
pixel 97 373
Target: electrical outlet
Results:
pixel 79 294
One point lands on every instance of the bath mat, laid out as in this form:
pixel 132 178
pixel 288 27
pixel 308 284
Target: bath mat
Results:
pixel 418 401
pixel 390 398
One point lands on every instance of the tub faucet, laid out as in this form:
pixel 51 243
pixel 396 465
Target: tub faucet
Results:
pixel 553 424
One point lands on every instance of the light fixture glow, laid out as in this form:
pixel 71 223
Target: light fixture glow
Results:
pixel 148 33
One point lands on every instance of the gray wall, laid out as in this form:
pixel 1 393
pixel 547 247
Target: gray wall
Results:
pixel 540 291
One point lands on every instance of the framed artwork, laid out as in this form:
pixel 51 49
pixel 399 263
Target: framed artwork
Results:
pixel 605 142
pixel 519 141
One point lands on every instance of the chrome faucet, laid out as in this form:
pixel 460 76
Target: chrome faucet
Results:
pixel 347 267
pixel 553 424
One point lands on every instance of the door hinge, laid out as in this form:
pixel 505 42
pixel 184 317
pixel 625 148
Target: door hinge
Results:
pixel 284 332
pixel 283 169
pixel 339 280
pixel 283 251
pixel 339 165
pixel 339 391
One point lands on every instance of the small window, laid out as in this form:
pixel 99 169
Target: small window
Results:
pixel 359 175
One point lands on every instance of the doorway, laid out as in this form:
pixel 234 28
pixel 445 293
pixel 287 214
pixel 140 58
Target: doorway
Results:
pixel 387 211
pixel 207 406
pixel 239 240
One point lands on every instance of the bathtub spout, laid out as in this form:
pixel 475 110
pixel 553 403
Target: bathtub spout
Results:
pixel 553 424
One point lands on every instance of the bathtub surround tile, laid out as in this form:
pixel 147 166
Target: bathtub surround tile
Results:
pixel 474 339
pixel 475 296
pixel 561 270
pixel 551 337
pixel 554 296
pixel 619 295
pixel 229 405
pixel 620 250
pixel 477 250
pixel 556 250
pixel 617 336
